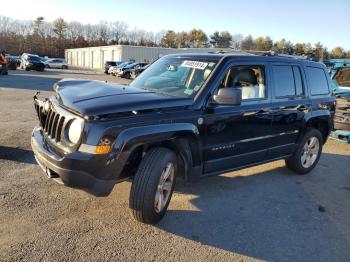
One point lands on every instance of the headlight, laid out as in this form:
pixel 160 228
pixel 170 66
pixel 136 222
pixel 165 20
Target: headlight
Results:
pixel 75 130
pixel 55 87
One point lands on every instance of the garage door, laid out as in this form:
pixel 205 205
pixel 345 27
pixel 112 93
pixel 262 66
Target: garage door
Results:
pixel 70 62
pixel 107 56
pixel 116 55
pixel 77 59
pixel 86 58
pixel 94 59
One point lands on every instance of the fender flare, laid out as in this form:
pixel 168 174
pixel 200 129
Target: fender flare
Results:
pixel 130 138
pixel 325 115
pixel 318 113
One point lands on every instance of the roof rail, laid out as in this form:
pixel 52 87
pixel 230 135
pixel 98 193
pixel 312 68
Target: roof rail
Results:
pixel 261 53
pixel 273 53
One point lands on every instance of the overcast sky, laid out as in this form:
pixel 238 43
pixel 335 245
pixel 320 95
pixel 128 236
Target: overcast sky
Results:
pixel 299 20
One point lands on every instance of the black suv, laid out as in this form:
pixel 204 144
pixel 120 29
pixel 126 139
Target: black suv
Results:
pixel 186 115
pixel 32 62
pixel 125 72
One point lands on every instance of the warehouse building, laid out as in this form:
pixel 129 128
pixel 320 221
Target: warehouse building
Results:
pixel 95 57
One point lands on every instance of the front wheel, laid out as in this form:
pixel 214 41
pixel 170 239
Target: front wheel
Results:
pixel 127 75
pixel 153 185
pixel 306 157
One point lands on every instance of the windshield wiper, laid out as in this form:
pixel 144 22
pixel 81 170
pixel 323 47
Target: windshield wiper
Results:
pixel 158 91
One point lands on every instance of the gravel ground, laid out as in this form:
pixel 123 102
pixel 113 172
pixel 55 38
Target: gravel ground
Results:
pixel 264 213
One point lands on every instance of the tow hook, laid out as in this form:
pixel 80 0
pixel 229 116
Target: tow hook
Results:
pixel 51 174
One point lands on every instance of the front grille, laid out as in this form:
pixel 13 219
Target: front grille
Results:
pixel 51 122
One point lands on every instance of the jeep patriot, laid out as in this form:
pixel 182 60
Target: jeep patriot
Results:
pixel 187 115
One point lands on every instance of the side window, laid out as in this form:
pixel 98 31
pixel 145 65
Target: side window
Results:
pixel 283 81
pixel 299 90
pixel 287 81
pixel 318 81
pixel 250 78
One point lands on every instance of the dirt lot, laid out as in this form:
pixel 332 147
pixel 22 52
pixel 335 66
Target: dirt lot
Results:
pixel 261 213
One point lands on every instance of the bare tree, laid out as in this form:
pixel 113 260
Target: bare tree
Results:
pixel 118 31
pixel 51 38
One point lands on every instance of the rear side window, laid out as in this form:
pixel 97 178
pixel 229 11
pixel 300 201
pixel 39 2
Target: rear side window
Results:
pixel 287 81
pixel 299 90
pixel 318 81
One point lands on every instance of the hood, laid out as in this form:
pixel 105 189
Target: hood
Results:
pixel 95 98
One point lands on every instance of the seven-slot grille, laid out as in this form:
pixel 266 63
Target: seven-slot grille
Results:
pixel 51 122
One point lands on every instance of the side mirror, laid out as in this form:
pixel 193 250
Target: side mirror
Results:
pixel 228 96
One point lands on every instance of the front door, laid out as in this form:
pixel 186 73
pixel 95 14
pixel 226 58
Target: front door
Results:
pixel 238 136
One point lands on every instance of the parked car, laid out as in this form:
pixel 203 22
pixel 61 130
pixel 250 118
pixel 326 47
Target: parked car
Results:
pixel 109 64
pixel 340 73
pixel 342 112
pixel 111 69
pixel 137 71
pixel 12 65
pixel 56 63
pixel 32 62
pixel 115 70
pixel 189 115
pixel 125 72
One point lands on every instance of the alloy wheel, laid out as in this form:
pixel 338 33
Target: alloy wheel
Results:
pixel 164 187
pixel 310 152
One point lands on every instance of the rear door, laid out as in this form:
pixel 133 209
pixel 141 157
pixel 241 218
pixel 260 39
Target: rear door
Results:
pixel 290 103
pixel 56 63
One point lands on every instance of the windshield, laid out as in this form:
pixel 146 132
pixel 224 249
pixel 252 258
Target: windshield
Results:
pixel 123 64
pixel 176 76
pixel 34 58
pixel 130 66
pixel 111 63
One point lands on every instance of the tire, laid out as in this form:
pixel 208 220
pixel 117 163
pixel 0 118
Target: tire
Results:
pixel 302 162
pixel 26 69
pixel 127 75
pixel 145 189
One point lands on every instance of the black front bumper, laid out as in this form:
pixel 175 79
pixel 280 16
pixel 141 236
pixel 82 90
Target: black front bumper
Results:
pixel 78 170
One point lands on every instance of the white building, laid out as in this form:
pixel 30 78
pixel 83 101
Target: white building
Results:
pixel 95 57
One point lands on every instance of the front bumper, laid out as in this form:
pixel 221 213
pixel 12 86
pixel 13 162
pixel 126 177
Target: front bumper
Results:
pixel 78 170
pixel 35 67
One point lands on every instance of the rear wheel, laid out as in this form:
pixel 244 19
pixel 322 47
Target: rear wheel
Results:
pixel 153 185
pixel 306 157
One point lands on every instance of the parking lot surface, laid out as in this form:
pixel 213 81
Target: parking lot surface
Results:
pixel 264 213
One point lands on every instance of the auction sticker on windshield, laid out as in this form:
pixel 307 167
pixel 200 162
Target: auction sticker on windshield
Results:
pixel 194 64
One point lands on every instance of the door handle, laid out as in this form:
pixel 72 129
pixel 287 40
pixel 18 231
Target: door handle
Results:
pixel 303 107
pixel 262 111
